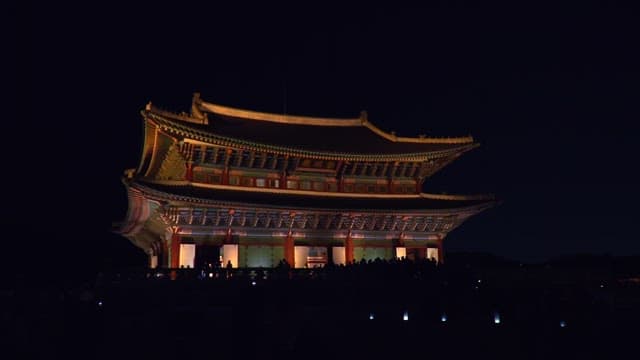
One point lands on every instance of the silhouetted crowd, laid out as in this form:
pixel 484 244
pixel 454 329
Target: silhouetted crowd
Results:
pixel 390 308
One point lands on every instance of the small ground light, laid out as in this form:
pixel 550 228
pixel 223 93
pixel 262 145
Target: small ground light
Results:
pixel 100 303
pixel 496 318
pixel 210 275
pixel 405 316
pixel 253 283
pixel 443 318
pixel 371 317
pixel 563 323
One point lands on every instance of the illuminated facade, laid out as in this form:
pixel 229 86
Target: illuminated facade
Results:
pixel 221 185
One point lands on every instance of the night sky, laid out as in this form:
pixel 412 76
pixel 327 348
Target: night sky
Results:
pixel 550 93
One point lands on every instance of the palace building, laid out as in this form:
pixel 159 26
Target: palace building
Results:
pixel 220 185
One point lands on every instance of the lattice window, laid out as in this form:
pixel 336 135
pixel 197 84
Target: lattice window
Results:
pixel 208 155
pixel 305 185
pixel 197 153
pixel 183 216
pixel 196 217
pixel 199 176
pixel 274 183
pixel 246 181
pixel 215 179
pixel 222 153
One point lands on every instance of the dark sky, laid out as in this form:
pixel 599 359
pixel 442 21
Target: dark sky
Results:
pixel 551 93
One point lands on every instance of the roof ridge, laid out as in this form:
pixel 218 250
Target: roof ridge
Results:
pixel 277 118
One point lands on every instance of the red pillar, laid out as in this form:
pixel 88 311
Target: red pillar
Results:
pixel 166 262
pixel 283 175
pixel 440 251
pixel 225 172
pixel 175 251
pixel 189 171
pixel 289 249
pixel 225 176
pixel 348 248
pixel 228 238
pixel 283 181
pixel 340 175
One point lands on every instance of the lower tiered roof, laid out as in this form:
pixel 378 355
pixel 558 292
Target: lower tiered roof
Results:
pixel 283 198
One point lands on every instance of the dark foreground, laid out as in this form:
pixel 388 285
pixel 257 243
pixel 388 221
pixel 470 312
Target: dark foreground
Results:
pixel 344 313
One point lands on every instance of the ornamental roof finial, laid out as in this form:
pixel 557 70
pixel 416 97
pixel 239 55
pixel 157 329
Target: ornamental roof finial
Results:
pixel 195 110
pixel 363 116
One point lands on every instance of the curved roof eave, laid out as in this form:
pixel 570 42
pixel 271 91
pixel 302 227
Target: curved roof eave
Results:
pixel 473 202
pixel 176 124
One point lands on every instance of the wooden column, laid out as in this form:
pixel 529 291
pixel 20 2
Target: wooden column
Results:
pixel 188 152
pixel 225 172
pixel 164 258
pixel 348 248
pixel 252 159
pixel 353 168
pixel 440 251
pixel 283 175
pixel 340 174
pixel 289 246
pixel 418 186
pixel 189 170
pixel 263 160
pixel 391 175
pixel 289 249
pixel 228 238
pixel 175 251
pixel 216 152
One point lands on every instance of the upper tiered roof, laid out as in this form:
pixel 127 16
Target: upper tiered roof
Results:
pixel 349 136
